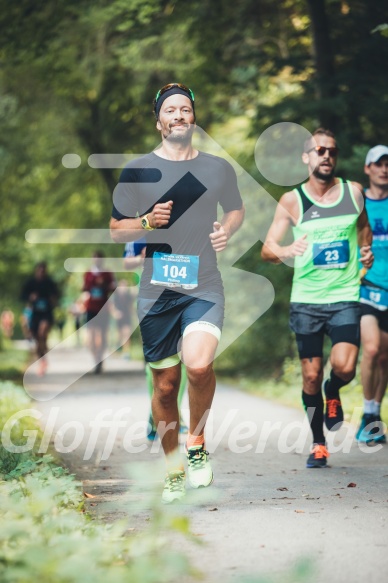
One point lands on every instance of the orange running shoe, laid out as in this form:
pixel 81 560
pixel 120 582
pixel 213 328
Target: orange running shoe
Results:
pixel 318 456
pixel 334 414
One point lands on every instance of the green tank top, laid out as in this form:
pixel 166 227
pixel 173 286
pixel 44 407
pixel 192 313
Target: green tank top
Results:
pixel 328 270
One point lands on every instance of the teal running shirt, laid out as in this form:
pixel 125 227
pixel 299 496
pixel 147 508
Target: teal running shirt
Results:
pixel 377 211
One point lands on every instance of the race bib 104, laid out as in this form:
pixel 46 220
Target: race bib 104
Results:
pixel 334 255
pixel 173 270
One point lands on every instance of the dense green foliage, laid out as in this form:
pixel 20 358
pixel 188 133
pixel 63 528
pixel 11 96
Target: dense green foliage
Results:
pixel 45 534
pixel 79 77
pixel 12 400
pixel 12 362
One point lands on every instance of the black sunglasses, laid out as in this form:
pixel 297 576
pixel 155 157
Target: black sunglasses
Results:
pixel 321 151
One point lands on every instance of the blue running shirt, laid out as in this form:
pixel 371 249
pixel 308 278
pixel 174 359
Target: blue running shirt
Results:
pixel 378 218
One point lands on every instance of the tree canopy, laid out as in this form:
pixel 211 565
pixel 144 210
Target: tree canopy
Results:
pixel 79 77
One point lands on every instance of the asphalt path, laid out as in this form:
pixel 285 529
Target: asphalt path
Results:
pixel 265 512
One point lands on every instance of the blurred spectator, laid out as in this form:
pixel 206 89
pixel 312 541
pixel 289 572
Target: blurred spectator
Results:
pixel 77 310
pixel 60 319
pixel 41 294
pixel 123 301
pixel 7 322
pixel 98 285
pixel 25 322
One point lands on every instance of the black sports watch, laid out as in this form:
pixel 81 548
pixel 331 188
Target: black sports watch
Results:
pixel 145 224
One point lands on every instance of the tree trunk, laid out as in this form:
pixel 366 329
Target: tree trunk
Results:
pixel 324 62
pixel 90 135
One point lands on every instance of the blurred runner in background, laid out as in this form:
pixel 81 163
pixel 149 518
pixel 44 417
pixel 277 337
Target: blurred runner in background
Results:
pixel 98 285
pixel 7 323
pixel 41 294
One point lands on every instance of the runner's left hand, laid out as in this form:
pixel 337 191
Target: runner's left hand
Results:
pixel 366 256
pixel 218 238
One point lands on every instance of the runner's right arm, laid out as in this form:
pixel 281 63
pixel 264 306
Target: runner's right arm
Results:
pixel 364 231
pixel 286 215
pixel 127 229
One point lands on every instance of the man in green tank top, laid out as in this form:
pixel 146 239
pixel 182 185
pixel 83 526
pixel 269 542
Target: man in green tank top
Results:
pixel 328 220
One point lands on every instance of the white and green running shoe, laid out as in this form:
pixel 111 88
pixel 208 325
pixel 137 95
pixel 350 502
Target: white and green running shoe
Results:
pixel 199 470
pixel 174 486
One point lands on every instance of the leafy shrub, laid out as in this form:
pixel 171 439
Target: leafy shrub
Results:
pixel 12 400
pixel 45 535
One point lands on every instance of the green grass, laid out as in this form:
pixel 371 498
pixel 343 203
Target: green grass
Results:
pixel 13 363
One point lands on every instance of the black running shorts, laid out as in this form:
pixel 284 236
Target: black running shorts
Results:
pixel 310 322
pixel 380 315
pixel 162 322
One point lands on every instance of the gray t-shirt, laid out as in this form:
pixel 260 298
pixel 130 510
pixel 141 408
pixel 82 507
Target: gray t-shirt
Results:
pixel 196 187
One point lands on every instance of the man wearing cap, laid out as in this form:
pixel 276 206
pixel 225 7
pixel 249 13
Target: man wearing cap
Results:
pixel 171 195
pixel 374 300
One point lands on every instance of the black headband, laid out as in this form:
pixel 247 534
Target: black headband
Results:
pixel 168 93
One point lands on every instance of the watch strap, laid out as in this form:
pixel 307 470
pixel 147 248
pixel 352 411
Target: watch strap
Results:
pixel 146 224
